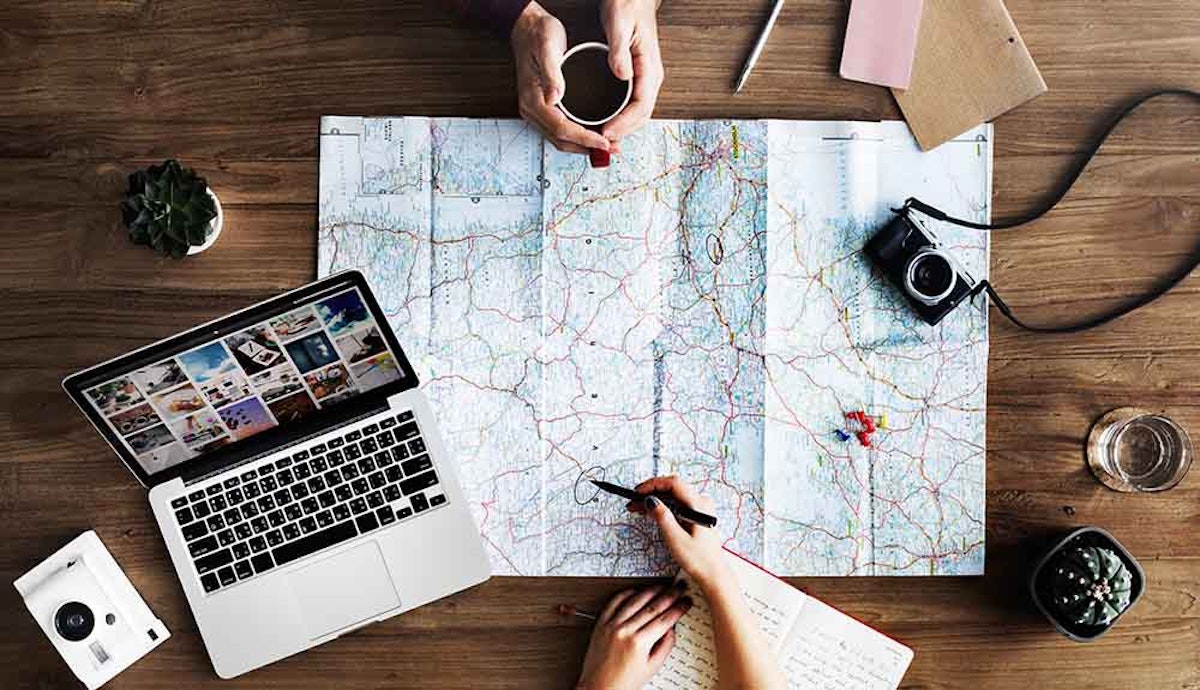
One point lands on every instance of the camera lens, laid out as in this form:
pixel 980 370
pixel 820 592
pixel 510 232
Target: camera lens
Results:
pixel 74 621
pixel 930 276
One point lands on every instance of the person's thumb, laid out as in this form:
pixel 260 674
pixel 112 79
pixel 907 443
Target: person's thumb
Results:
pixel 673 533
pixel 620 46
pixel 553 84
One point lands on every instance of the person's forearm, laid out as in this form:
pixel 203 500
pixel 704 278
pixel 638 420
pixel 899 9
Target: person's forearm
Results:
pixel 744 656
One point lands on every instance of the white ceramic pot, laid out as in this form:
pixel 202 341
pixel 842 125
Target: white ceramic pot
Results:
pixel 217 223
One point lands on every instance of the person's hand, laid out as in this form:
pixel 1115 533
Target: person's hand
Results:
pixel 696 549
pixel 539 42
pixel 632 30
pixel 634 635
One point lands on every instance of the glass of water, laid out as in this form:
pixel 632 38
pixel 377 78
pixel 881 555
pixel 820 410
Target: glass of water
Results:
pixel 1130 449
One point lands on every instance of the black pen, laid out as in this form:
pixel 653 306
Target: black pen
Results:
pixel 681 511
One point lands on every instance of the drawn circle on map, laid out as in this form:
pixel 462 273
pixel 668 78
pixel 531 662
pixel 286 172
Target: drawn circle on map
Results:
pixel 585 492
pixel 716 249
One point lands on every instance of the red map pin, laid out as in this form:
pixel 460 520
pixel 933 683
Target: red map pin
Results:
pixel 599 158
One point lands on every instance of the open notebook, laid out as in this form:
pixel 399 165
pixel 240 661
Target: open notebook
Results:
pixel 820 647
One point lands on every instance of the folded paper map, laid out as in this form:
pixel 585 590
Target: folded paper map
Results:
pixel 701 307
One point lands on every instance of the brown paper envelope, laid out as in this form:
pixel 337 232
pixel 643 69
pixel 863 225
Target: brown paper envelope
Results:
pixel 971 67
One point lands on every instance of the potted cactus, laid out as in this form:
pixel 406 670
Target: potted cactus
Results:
pixel 170 208
pixel 1086 582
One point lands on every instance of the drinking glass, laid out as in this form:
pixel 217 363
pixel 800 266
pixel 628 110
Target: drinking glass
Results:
pixel 1131 449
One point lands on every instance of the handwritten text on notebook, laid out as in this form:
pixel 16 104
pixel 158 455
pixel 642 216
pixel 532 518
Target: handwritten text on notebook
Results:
pixel 819 647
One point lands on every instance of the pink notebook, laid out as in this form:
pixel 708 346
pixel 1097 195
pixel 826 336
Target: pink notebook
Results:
pixel 881 41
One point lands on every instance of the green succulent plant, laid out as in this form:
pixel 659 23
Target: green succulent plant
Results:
pixel 1090 585
pixel 168 207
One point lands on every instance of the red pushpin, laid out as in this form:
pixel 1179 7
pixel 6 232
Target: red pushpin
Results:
pixel 599 158
pixel 864 438
pixel 869 424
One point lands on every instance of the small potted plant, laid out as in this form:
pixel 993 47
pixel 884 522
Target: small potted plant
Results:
pixel 1086 582
pixel 170 208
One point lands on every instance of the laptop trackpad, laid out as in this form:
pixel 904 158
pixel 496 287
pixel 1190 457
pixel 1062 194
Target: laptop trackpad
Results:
pixel 343 590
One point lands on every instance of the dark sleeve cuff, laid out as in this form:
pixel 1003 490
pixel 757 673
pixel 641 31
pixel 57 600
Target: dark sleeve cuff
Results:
pixel 497 15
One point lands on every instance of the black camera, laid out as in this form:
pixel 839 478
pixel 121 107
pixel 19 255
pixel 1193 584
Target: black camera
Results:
pixel 910 256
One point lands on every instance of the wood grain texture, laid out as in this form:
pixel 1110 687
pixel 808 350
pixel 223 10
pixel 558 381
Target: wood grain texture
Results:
pixel 90 90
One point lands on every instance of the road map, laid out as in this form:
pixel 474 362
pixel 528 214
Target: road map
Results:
pixel 701 308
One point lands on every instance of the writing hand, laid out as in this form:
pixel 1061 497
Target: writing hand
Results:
pixel 696 549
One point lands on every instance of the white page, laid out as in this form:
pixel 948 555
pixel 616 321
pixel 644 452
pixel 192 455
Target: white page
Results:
pixel 828 650
pixel 818 647
pixel 693 663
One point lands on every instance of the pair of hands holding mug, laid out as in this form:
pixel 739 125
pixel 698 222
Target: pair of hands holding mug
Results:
pixel 539 41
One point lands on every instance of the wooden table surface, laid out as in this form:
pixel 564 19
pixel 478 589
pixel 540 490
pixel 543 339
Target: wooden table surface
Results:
pixel 92 90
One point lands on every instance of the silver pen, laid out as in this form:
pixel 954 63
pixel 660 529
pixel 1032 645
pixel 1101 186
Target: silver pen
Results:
pixel 758 46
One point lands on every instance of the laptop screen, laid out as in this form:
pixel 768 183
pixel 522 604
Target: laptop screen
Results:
pixel 281 368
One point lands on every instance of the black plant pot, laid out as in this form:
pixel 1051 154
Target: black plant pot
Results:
pixel 1040 581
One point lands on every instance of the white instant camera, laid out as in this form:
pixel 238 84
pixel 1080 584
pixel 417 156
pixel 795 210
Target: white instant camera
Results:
pixel 89 610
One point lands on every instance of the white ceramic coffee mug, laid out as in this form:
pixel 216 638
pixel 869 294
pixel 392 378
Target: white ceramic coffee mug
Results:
pixel 592 123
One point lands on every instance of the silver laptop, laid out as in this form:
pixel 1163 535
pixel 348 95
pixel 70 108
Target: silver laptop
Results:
pixel 295 471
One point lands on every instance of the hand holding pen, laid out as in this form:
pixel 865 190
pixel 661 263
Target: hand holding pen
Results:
pixel 677 508
pixel 698 550
pixel 619 651
pixel 635 632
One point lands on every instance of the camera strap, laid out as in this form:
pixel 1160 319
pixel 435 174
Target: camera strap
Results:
pixel 1163 287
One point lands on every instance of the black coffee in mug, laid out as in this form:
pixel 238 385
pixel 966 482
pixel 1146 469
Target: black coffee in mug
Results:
pixel 593 93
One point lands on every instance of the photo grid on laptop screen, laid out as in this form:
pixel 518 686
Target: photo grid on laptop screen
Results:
pixel 270 374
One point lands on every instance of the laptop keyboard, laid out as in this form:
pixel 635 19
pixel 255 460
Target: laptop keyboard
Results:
pixel 330 492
